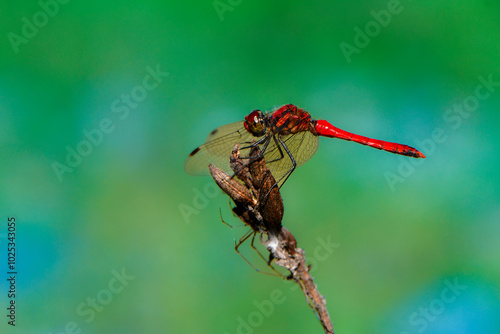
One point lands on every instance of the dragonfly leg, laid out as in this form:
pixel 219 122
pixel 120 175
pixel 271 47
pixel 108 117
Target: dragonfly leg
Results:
pixel 279 142
pixel 294 163
pixel 279 150
pixel 266 140
pixel 283 179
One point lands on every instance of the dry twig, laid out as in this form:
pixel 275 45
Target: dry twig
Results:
pixel 259 205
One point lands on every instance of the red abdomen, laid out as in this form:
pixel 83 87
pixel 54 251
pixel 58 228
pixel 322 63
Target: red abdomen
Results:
pixel 323 128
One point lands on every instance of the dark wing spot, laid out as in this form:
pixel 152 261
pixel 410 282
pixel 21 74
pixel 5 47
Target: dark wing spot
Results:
pixel 214 132
pixel 194 151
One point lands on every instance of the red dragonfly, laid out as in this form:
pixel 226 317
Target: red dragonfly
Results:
pixel 288 137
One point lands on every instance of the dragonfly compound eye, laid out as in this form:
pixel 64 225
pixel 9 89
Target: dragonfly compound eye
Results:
pixel 254 123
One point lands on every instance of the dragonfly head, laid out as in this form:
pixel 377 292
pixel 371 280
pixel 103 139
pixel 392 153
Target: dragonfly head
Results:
pixel 255 124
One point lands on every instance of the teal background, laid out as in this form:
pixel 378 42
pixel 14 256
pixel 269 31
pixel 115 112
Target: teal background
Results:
pixel 120 208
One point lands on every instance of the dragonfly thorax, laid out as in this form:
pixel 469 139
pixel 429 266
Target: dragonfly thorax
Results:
pixel 290 120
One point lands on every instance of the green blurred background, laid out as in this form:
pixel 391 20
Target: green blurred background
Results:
pixel 402 234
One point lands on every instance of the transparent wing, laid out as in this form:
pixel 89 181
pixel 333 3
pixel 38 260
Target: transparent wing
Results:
pixel 217 149
pixel 220 143
pixel 301 145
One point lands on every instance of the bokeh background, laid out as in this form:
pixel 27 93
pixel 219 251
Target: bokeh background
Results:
pixel 410 248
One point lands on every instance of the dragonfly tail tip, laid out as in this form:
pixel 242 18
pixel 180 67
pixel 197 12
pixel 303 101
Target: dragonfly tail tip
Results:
pixel 420 155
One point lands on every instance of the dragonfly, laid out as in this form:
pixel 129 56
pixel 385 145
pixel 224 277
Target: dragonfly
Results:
pixel 287 137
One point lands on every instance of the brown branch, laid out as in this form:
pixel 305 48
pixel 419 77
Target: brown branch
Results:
pixel 259 205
